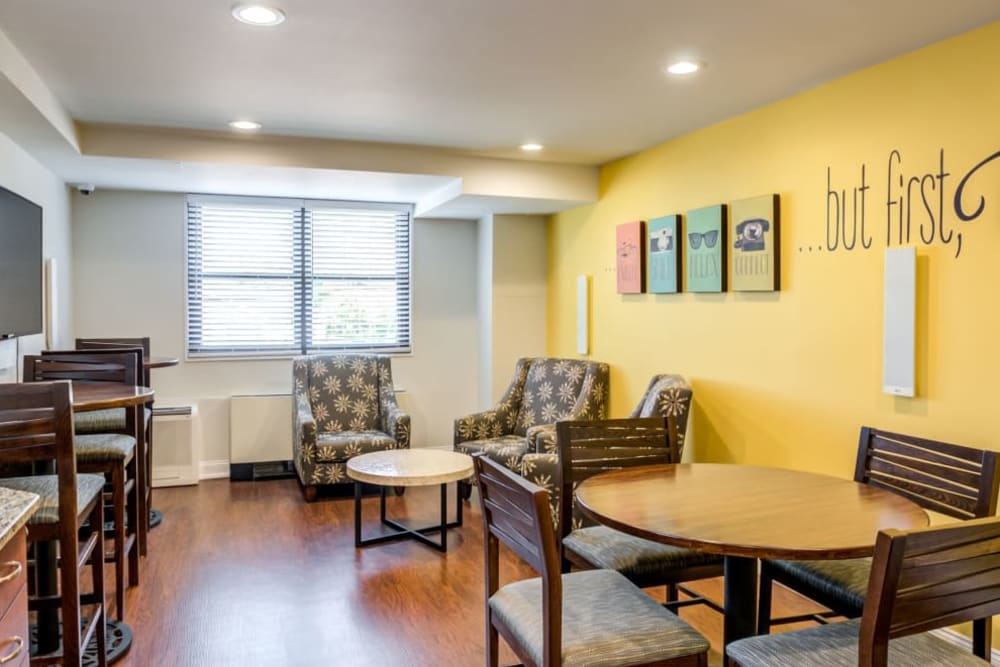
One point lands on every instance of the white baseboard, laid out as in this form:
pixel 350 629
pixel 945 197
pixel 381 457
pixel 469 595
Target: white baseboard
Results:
pixel 173 476
pixel 218 469
pixel 958 639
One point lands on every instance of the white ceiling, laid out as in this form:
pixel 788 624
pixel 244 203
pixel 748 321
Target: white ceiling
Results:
pixel 582 77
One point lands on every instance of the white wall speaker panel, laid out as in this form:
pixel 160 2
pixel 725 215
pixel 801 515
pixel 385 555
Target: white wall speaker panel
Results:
pixel 899 322
pixel 582 315
pixel 49 280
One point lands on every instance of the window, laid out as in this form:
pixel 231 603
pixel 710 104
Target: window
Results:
pixel 276 277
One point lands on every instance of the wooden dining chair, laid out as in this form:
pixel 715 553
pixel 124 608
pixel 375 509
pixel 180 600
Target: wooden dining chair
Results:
pixel 919 581
pixel 91 422
pixel 588 448
pixel 954 480
pixel 582 618
pixel 113 452
pixel 36 427
pixel 118 343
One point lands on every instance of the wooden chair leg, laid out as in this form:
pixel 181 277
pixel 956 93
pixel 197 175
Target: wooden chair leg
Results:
pixel 120 557
pixel 982 638
pixel 141 481
pixel 671 593
pixel 132 522
pixel 492 645
pixel 97 577
pixel 764 600
pixel 69 590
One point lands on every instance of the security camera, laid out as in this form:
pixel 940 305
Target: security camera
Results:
pixel 85 188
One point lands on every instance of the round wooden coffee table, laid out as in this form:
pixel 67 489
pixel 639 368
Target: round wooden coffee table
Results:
pixel 408 467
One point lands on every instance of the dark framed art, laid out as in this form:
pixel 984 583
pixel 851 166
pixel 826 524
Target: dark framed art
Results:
pixel 663 264
pixel 705 249
pixel 755 253
pixel 629 257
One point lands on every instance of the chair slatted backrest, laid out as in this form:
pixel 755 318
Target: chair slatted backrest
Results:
pixel 120 365
pixel 113 344
pixel 951 479
pixel 929 578
pixel 516 512
pixel 36 426
pixel 587 448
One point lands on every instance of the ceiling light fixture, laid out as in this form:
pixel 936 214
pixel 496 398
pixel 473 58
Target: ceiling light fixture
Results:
pixel 683 67
pixel 244 125
pixel 258 15
pixel 531 147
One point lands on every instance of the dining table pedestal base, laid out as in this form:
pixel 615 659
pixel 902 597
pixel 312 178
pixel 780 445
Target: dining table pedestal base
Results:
pixel 740 592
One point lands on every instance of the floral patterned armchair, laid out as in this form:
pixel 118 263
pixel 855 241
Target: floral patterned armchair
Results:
pixel 543 391
pixel 665 396
pixel 344 405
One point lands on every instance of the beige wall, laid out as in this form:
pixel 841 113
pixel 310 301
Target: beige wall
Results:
pixel 22 174
pixel 519 293
pixel 129 280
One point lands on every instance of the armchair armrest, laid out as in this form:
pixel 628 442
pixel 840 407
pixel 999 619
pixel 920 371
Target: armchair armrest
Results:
pixel 542 438
pixel 396 423
pixel 303 427
pixel 477 426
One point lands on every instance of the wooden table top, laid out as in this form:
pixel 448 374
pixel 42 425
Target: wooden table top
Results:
pixel 749 511
pixel 89 396
pixel 159 362
pixel 410 467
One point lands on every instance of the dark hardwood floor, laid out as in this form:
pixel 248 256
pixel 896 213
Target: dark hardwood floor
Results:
pixel 247 573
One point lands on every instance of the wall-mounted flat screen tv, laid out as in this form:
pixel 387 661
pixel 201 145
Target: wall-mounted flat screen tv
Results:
pixel 20 266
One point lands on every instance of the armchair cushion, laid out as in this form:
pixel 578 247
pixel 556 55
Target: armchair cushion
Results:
pixel 339 447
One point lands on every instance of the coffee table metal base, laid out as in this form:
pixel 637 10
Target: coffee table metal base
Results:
pixel 402 531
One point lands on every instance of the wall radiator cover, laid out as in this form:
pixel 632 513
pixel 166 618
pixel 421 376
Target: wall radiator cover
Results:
pixel 176 444
pixel 260 436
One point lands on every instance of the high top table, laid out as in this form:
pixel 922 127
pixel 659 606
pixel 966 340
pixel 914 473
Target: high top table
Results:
pixel 744 513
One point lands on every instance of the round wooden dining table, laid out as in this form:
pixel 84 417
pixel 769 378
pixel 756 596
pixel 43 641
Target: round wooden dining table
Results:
pixel 744 513
pixel 88 396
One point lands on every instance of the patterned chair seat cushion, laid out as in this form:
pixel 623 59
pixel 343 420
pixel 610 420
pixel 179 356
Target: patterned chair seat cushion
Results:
pixel 88 487
pixel 507 450
pixel 844 580
pixel 638 559
pixel 341 446
pixel 607 621
pixel 104 447
pixel 103 421
pixel 836 645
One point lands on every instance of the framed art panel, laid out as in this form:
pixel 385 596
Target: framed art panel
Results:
pixel 705 249
pixel 629 255
pixel 663 265
pixel 755 251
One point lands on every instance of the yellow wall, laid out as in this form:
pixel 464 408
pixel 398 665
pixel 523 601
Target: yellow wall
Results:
pixel 787 378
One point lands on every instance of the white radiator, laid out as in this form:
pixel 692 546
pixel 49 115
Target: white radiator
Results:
pixel 260 431
pixel 176 444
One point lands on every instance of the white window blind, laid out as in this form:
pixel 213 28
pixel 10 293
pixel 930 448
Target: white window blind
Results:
pixel 273 277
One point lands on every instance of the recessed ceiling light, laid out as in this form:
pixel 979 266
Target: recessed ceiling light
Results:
pixel 531 147
pixel 244 125
pixel 258 15
pixel 683 67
